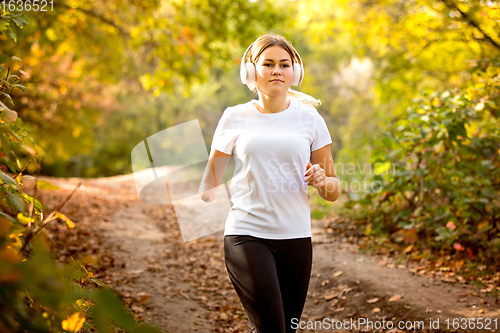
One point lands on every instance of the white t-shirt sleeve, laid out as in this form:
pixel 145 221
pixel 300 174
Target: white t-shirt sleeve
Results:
pixel 321 135
pixel 225 134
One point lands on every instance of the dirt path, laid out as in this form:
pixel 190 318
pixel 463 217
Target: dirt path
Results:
pixel 183 286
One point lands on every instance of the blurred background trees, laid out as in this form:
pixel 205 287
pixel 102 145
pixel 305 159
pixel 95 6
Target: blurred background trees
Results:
pixel 101 65
pixel 108 75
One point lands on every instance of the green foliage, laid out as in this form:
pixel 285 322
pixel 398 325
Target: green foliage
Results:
pixel 9 21
pixel 14 138
pixel 202 36
pixel 413 46
pixel 36 302
pixel 439 172
pixel 147 114
pixel 419 45
pixel 435 86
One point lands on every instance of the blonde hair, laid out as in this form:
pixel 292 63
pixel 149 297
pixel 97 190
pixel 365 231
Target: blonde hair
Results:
pixel 271 39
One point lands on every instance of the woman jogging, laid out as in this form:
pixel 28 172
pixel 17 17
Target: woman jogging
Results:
pixel 281 145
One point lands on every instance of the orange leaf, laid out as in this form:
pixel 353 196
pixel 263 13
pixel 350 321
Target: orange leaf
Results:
pixel 337 273
pixel 7 276
pixel 410 236
pixel 409 248
pixel 330 297
pixel 25 73
pixel 5 226
pixel 11 255
pixel 458 247
pixel 450 225
pixel 395 298
pixel 483 226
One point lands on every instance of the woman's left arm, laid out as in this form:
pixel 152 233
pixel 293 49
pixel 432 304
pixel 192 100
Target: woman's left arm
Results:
pixel 322 175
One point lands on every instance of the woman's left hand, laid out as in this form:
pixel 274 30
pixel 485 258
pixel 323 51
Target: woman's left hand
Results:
pixel 315 175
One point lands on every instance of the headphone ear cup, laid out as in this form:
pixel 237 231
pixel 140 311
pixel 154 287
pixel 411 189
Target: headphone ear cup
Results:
pixel 250 69
pixel 297 74
pixel 243 73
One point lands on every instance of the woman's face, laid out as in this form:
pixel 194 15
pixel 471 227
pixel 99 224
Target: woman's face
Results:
pixel 274 71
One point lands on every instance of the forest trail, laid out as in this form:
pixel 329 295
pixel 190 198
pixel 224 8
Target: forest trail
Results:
pixel 183 286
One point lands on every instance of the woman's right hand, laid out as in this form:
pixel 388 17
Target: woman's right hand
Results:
pixel 208 194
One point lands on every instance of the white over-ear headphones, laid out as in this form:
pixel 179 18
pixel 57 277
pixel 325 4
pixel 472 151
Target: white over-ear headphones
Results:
pixel 247 70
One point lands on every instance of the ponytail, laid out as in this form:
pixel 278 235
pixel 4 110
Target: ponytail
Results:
pixel 302 98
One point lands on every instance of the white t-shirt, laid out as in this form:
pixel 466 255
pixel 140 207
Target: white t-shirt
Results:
pixel 271 151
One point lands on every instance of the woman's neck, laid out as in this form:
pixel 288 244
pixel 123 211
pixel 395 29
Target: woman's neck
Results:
pixel 276 104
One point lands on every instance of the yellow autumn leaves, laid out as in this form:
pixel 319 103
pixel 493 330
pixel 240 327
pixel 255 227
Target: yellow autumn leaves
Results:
pixel 65 219
pixel 74 322
pixel 26 219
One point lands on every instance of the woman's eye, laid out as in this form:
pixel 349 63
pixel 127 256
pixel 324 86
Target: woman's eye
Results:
pixel 285 66
pixel 267 65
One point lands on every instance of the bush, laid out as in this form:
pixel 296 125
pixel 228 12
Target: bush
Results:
pixel 36 293
pixel 439 173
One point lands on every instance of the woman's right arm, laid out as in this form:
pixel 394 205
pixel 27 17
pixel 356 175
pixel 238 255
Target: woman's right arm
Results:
pixel 212 176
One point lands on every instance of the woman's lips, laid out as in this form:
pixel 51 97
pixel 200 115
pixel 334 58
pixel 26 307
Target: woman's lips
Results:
pixel 276 81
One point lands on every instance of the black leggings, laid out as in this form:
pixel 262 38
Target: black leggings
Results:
pixel 271 278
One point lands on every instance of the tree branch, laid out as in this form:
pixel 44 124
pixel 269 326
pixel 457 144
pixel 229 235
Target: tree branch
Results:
pixel 471 21
pixel 61 205
pixel 32 235
pixel 122 31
